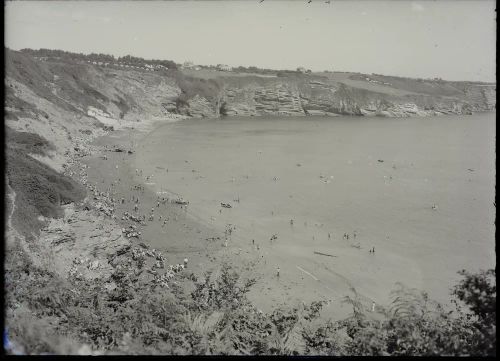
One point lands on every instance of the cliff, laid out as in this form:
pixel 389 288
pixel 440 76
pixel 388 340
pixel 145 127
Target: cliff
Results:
pixel 131 94
pixel 316 95
pixel 60 100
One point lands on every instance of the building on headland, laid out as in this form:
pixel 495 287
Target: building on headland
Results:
pixel 188 65
pixel 224 67
pixel 301 69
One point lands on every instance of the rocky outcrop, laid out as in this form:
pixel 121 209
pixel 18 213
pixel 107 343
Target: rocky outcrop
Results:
pixel 199 107
pixel 283 97
pixel 273 99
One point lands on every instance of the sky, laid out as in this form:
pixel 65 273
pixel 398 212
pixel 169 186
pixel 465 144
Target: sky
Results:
pixel 453 40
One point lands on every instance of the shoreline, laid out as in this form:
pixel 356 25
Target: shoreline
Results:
pixel 339 275
pixel 186 235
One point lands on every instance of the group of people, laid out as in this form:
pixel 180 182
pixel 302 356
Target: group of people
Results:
pixel 346 235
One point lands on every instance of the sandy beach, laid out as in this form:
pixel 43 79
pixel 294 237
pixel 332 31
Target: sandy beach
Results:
pixel 180 234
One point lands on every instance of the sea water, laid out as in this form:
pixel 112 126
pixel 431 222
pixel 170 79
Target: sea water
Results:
pixel 420 191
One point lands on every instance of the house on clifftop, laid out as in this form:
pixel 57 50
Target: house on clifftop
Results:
pixel 224 67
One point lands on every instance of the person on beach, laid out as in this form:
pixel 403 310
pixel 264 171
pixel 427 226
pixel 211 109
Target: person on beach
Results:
pixel 329 235
pixel 136 208
pixel 373 306
pixel 291 222
pixel 278 272
pixel 253 242
pixel 225 243
pixel 185 262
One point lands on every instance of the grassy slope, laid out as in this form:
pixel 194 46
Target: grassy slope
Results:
pixel 39 189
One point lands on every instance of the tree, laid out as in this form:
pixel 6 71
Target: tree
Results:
pixel 417 326
pixel 478 292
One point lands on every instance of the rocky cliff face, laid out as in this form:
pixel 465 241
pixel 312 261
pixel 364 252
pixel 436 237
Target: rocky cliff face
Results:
pixel 279 99
pixel 54 91
pixel 283 97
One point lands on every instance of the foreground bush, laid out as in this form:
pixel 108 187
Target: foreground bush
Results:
pixel 212 315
